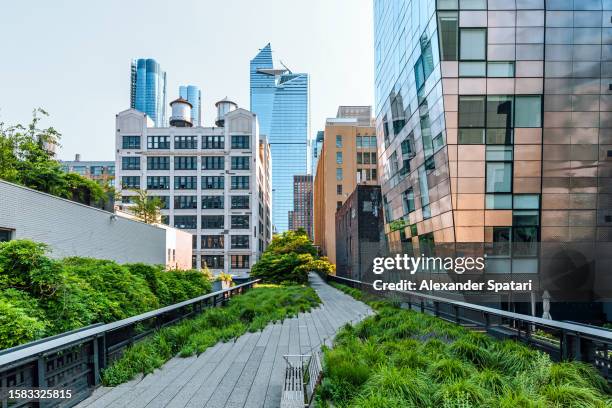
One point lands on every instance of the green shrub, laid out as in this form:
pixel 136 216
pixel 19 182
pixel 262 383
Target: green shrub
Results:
pixel 16 326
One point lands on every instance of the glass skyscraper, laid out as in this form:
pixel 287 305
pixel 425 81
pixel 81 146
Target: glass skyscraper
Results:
pixel 494 127
pixel 148 89
pixel 280 98
pixel 193 95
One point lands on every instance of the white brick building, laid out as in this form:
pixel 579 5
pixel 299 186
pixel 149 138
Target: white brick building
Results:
pixel 214 181
pixel 73 229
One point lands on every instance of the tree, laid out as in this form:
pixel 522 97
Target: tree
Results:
pixel 26 158
pixel 147 209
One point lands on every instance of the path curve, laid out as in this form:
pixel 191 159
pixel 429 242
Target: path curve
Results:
pixel 247 373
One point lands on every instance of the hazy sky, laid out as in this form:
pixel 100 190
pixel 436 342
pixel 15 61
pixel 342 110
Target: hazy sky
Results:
pixel 72 58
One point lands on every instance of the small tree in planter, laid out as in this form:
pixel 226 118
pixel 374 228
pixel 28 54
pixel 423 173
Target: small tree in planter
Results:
pixel 226 280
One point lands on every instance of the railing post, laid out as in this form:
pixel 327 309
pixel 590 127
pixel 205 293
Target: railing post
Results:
pixel 42 381
pixel 578 347
pixel 436 308
pixel 456 314
pixel 422 306
pixel 96 362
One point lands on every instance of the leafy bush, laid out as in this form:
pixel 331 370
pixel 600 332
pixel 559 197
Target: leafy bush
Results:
pixel 251 311
pixel 423 361
pixel 43 296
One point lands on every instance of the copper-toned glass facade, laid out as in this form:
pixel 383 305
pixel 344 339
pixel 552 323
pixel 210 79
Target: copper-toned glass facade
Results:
pixel 494 127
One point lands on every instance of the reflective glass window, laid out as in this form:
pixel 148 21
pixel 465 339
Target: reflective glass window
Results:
pixel 528 111
pixel 473 44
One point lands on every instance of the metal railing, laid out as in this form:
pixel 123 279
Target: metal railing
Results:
pixel 74 360
pixel 561 340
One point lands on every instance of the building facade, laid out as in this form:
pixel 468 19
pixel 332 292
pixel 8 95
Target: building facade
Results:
pixel 102 171
pixel 301 216
pixel 280 99
pixel 73 229
pixel 193 95
pixel 348 158
pixel 317 145
pixel 214 182
pixel 494 128
pixel 359 232
pixel 148 89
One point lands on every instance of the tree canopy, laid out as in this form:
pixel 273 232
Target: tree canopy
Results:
pixel 289 258
pixel 26 159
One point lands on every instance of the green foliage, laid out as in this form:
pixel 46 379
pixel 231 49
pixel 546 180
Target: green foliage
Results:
pixel 289 258
pixel 404 358
pixel 251 311
pixel 147 208
pixel 41 296
pixel 25 159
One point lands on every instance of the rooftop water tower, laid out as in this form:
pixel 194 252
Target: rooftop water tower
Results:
pixel 224 106
pixel 181 113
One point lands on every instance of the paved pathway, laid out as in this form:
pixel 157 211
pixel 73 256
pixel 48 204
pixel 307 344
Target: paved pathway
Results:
pixel 246 373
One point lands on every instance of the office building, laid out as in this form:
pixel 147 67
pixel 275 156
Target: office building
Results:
pixel 359 232
pixel 214 181
pixel 73 229
pixel 494 126
pixel 280 99
pixel 301 216
pixel 348 157
pixel 193 95
pixel 148 89
pixel 317 145
pixel 102 171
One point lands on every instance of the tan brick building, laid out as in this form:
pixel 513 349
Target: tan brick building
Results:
pixel 347 158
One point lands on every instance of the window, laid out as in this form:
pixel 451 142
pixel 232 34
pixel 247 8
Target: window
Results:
pixel 240 221
pixel 164 199
pixel 449 38
pixel 240 241
pixel 366 158
pixel 213 261
pixel 374 174
pixel 473 44
pixel 212 202
pixel 185 142
pixel 131 142
pixel 240 202
pixel 240 162
pixel 158 142
pixel 213 163
pixel 241 142
pixel 373 158
pixel 213 142
pixel 5 235
pixel 499 177
pixel 499 111
pixel 526 201
pixel 359 158
pixel 500 69
pixel 338 141
pixel 185 163
pixel 130 163
pixel 213 222
pixel 472 69
pixel 185 182
pixel 339 189
pixel 499 153
pixel 183 202
pixel 471 119
pixel 158 182
pixel 338 205
pixel 212 241
pixel 240 182
pixel 473 4
pixel 240 261
pixel 525 232
pixel 408 201
pixel 338 157
pixel 424 65
pixel 185 221
pixel 339 174
pixel 213 183
pixel 528 111
pixel 358 142
pixel 498 201
pixel 158 163
pixel 501 241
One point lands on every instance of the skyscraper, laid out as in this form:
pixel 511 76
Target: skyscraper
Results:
pixel 493 125
pixel 193 95
pixel 148 89
pixel 280 98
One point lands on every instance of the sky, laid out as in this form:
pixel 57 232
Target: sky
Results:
pixel 72 58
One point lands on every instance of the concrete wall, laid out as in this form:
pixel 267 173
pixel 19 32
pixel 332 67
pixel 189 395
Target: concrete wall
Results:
pixel 72 229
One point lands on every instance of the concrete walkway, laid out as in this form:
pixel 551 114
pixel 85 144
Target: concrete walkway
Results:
pixel 246 373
